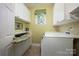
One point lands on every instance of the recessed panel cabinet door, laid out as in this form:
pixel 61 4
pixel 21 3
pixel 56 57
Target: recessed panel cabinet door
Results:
pixel 26 13
pixel 58 12
pixel 22 12
pixel 69 7
pixel 6 27
pixel 19 10
pixel 6 46
pixel 6 21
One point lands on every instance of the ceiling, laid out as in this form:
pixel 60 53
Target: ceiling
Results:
pixel 32 5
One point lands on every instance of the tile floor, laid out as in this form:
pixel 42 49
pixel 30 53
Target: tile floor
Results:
pixel 33 51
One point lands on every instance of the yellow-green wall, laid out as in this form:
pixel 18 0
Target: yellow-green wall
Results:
pixel 72 27
pixel 39 30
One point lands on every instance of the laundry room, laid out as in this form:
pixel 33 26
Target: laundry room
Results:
pixel 39 29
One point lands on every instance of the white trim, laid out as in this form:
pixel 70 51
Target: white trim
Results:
pixel 36 45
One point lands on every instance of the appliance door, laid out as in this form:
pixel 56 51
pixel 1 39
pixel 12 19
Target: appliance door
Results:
pixel 57 46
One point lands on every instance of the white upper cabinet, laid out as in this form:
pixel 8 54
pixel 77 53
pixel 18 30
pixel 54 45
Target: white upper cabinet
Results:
pixel 65 13
pixel 72 11
pixel 22 12
pixel 58 15
pixel 69 8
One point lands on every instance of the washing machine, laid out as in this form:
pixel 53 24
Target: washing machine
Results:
pixel 57 44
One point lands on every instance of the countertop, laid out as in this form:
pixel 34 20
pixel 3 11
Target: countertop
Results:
pixel 75 36
pixel 21 39
pixel 59 34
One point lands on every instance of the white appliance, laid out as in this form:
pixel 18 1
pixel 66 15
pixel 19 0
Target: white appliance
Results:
pixel 57 44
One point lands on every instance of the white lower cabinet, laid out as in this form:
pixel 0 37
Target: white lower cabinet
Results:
pixel 8 50
pixel 5 45
pixel 20 48
pixel 16 49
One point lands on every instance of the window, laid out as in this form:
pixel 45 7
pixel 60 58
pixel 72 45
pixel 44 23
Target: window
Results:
pixel 40 16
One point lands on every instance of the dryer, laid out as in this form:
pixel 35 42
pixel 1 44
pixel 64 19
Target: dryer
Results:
pixel 57 44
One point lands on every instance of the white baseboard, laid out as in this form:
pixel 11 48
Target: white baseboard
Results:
pixel 36 45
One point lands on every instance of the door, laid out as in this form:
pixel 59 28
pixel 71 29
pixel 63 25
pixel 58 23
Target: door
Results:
pixel 6 27
pixel 6 21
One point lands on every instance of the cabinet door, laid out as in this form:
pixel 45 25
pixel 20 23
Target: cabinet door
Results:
pixel 5 43
pixel 58 13
pixel 19 10
pixel 8 50
pixel 26 14
pixel 6 27
pixel 29 15
pixel 69 7
pixel 6 21
pixel 22 12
